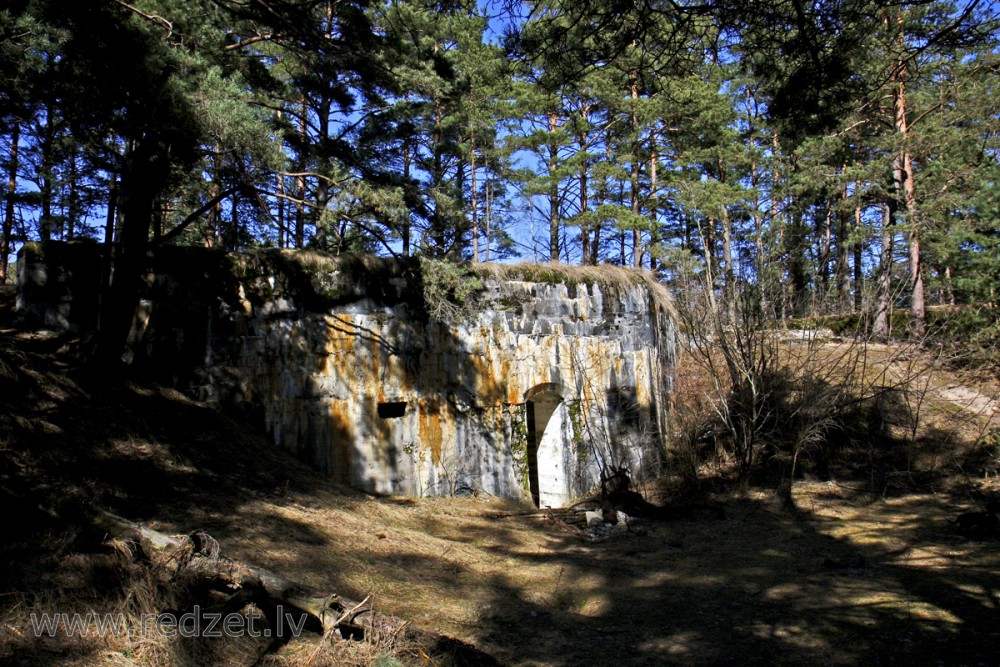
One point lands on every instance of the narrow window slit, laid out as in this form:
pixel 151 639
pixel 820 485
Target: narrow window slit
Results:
pixel 392 410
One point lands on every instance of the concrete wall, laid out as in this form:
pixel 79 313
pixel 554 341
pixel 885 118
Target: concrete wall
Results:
pixel 347 370
pixel 58 285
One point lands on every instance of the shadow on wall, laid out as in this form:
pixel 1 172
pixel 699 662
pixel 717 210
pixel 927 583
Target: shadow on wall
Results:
pixel 337 358
pixel 340 360
pixel 787 588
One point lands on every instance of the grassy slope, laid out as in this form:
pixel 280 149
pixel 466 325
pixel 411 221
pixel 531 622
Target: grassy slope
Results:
pixel 842 580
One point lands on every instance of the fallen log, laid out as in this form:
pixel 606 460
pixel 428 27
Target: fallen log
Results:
pixel 198 553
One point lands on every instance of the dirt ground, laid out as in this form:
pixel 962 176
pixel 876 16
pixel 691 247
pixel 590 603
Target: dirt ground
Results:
pixel 846 576
pixel 841 580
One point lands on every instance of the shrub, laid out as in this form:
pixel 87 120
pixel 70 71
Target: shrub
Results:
pixel 448 290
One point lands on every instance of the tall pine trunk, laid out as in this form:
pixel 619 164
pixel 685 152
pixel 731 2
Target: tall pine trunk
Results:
pixel 8 215
pixel 143 178
pixel 858 275
pixel 474 203
pixel 843 264
pixel 45 180
pixel 438 221
pixel 300 180
pixel 553 191
pixel 215 214
pixel 585 252
pixel 634 202
pixel 904 185
pixel 321 232
pixel 654 233
pixel 824 230
pixel 407 160
pixel 881 328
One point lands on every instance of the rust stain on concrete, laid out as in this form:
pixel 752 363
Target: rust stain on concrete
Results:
pixel 431 435
pixel 320 375
pixel 642 394
pixel 382 431
pixel 341 441
pixel 490 383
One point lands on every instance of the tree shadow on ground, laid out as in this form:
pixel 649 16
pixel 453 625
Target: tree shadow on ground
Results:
pixel 764 586
pixel 73 439
pixel 884 583
pixel 761 587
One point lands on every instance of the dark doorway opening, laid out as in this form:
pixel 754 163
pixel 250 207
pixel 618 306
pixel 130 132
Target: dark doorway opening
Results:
pixel 532 452
pixel 541 403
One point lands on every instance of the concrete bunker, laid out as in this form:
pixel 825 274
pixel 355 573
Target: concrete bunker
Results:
pixel 520 397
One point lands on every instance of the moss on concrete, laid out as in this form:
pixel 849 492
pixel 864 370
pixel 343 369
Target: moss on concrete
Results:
pixel 576 420
pixel 519 445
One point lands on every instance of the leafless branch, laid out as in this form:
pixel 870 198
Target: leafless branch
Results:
pixel 176 231
pixel 240 43
pixel 152 18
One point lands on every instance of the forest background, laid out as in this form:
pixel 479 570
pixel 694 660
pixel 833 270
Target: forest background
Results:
pixel 833 162
pixel 841 154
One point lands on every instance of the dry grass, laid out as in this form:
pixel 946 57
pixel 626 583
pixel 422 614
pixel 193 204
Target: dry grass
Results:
pixel 847 577
pixel 900 408
pixel 128 594
pixel 842 582
pixel 792 588
pixel 615 277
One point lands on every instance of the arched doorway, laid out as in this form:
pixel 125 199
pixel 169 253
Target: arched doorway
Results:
pixel 550 433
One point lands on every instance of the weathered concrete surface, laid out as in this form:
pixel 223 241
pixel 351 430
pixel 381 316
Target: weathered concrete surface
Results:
pixel 58 285
pixel 544 385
